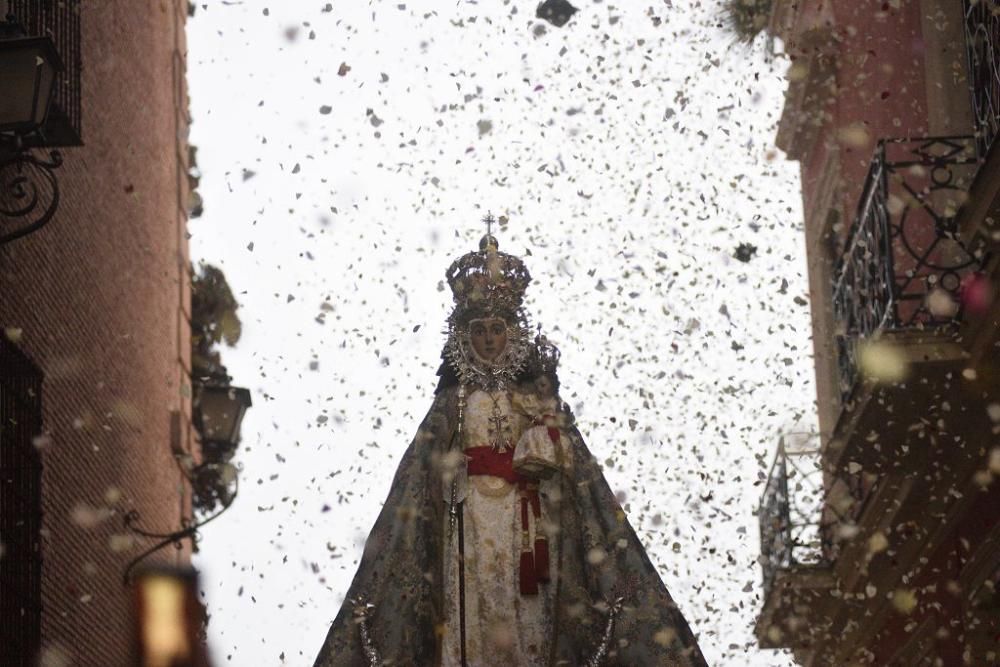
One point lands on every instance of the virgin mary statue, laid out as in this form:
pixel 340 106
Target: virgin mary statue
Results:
pixel 500 543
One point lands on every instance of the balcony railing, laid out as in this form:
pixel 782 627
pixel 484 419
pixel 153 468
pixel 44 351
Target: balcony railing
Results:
pixel 806 516
pixel 982 40
pixel 791 510
pixel 904 263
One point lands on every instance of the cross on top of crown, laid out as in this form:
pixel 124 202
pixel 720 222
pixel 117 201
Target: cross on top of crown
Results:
pixel 489 220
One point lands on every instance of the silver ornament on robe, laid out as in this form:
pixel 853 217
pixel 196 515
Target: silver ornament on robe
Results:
pixel 604 645
pixel 362 615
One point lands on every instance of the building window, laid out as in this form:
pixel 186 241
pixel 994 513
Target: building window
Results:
pixel 20 507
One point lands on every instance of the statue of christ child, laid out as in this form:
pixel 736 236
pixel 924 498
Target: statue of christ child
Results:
pixel 500 542
pixel 540 453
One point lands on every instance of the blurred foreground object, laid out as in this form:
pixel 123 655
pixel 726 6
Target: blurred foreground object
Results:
pixel 556 12
pixel 747 18
pixel 169 619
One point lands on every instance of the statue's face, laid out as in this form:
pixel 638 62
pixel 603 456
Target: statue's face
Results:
pixel 489 337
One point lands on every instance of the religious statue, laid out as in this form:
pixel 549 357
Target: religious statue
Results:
pixel 500 543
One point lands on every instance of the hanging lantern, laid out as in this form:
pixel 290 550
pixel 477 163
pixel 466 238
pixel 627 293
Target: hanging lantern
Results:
pixel 218 414
pixel 28 186
pixel 28 69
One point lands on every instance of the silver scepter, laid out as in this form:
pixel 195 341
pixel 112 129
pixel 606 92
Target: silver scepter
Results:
pixel 362 612
pixel 453 501
pixel 604 647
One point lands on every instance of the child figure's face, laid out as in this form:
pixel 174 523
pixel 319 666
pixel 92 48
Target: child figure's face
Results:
pixel 526 387
pixel 544 386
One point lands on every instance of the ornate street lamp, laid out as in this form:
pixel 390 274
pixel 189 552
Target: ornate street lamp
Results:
pixel 29 192
pixel 28 68
pixel 218 414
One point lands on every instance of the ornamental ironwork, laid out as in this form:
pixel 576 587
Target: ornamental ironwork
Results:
pixel 215 487
pixel 29 192
pixel 904 263
pixel 189 529
pixel 791 509
pixel 806 514
pixel 982 41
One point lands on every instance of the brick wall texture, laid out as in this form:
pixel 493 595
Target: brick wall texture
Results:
pixel 101 299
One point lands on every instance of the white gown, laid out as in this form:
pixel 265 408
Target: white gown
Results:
pixel 502 626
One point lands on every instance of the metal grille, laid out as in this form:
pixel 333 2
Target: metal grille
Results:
pixel 805 515
pixel 60 21
pixel 791 510
pixel 982 42
pixel 20 507
pixel 904 245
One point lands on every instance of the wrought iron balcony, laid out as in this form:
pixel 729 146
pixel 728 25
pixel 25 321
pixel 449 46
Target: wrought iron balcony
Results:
pixel 904 265
pixel 982 41
pixel 805 514
pixel 792 509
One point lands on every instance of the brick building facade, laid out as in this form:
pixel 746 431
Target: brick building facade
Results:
pixel 880 537
pixel 98 301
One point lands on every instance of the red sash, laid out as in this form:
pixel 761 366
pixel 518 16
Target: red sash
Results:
pixel 534 567
pixel 488 461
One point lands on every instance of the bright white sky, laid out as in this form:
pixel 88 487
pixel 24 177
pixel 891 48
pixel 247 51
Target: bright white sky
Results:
pixel 632 151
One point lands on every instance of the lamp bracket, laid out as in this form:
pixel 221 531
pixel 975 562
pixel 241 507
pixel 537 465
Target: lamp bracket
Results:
pixel 188 531
pixel 29 190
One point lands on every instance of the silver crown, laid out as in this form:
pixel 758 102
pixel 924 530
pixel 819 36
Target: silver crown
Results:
pixel 487 283
pixel 546 356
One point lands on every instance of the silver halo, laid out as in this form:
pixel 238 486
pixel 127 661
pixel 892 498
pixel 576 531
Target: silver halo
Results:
pixel 488 375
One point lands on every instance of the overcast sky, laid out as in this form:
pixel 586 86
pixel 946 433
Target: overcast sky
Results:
pixel 347 152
